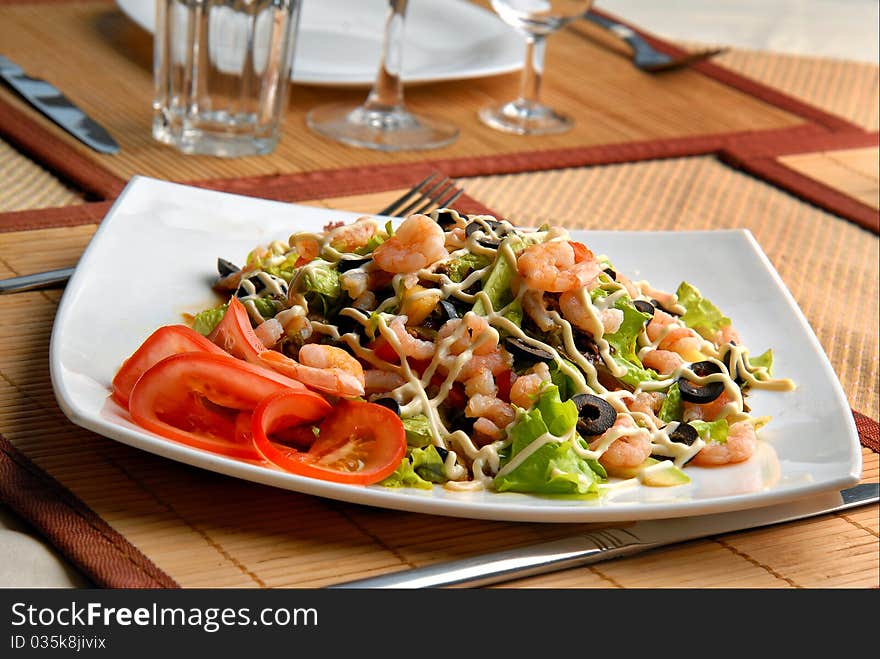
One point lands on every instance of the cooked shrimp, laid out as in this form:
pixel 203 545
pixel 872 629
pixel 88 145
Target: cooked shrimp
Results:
pixel 486 430
pixel 295 322
pixel 646 402
pixel 456 238
pixel 671 335
pixel 349 237
pixel 410 345
pixel 628 450
pixel 377 381
pixel 495 362
pixel 725 335
pixel 418 242
pixel 662 361
pixel 742 440
pixel 325 368
pixel 489 407
pixel 707 411
pixel 306 246
pixel 536 307
pixel 269 331
pixel 477 333
pixel 481 383
pixel 552 267
pixel 525 389
pixel 574 312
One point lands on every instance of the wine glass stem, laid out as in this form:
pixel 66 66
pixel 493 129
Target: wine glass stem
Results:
pixel 387 91
pixel 530 81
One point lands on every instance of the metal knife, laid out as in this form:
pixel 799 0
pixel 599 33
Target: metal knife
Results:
pixel 594 546
pixel 36 281
pixel 55 105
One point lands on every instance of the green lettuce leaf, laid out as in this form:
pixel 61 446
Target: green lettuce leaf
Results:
pixel 428 464
pixel 701 315
pixel 624 341
pixel 672 407
pixel 764 360
pixel 421 468
pixel 319 283
pixel 712 431
pixel 459 268
pixel 205 321
pixel 554 467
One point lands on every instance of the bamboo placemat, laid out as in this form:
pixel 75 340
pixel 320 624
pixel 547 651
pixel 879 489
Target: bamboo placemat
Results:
pixel 201 529
pixel 26 185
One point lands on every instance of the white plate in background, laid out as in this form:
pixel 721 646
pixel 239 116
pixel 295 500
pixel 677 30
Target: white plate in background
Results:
pixel 340 41
pixel 153 259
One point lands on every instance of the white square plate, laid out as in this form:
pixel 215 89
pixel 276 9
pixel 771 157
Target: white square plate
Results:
pixel 153 259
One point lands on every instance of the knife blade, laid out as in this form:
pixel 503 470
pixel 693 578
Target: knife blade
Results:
pixel 55 105
pixel 593 546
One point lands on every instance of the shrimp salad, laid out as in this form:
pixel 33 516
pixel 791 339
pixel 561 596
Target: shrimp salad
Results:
pixel 516 359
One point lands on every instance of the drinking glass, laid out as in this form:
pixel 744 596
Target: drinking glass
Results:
pixel 383 122
pixel 536 19
pixel 221 70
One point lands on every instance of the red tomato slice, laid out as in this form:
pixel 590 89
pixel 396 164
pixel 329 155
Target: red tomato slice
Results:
pixel 164 342
pixel 504 381
pixel 358 443
pixel 194 398
pixel 236 336
pixel 385 350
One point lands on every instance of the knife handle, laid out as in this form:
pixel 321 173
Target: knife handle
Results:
pixel 627 35
pixel 485 569
pixel 36 281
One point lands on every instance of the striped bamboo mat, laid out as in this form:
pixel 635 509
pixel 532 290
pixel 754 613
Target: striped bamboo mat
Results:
pixel 26 185
pixel 203 529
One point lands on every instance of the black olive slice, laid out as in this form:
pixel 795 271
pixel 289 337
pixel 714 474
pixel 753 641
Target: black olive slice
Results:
pixel 684 433
pixel 390 403
pixel 226 268
pixel 442 452
pixel 585 344
pixel 447 310
pixel 657 304
pixel 347 263
pixel 701 393
pixel 595 415
pixel 644 307
pixel 610 273
pixel 525 351
pixel 479 226
pixel 259 286
pixel 446 218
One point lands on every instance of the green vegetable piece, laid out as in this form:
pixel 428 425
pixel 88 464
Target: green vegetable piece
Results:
pixel 712 431
pixel 701 315
pixel 459 268
pixel 498 284
pixel 554 467
pixel 266 307
pixel 669 476
pixel 405 476
pixel 205 321
pixel 319 282
pixel 418 430
pixel 428 464
pixel 764 360
pixel 624 342
pixel 673 407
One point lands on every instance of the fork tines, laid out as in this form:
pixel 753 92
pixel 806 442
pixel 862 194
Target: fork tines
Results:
pixel 421 198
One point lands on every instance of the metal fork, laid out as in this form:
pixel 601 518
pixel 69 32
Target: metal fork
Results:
pixel 645 56
pixel 427 194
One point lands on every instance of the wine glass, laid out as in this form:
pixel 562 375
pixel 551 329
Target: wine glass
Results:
pixel 536 19
pixel 383 122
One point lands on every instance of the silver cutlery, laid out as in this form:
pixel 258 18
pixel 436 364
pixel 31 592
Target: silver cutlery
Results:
pixel 432 192
pixel 593 546
pixel 57 107
pixel 646 57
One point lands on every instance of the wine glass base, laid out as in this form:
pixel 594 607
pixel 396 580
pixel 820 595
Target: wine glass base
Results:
pixel 525 118
pixel 394 129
